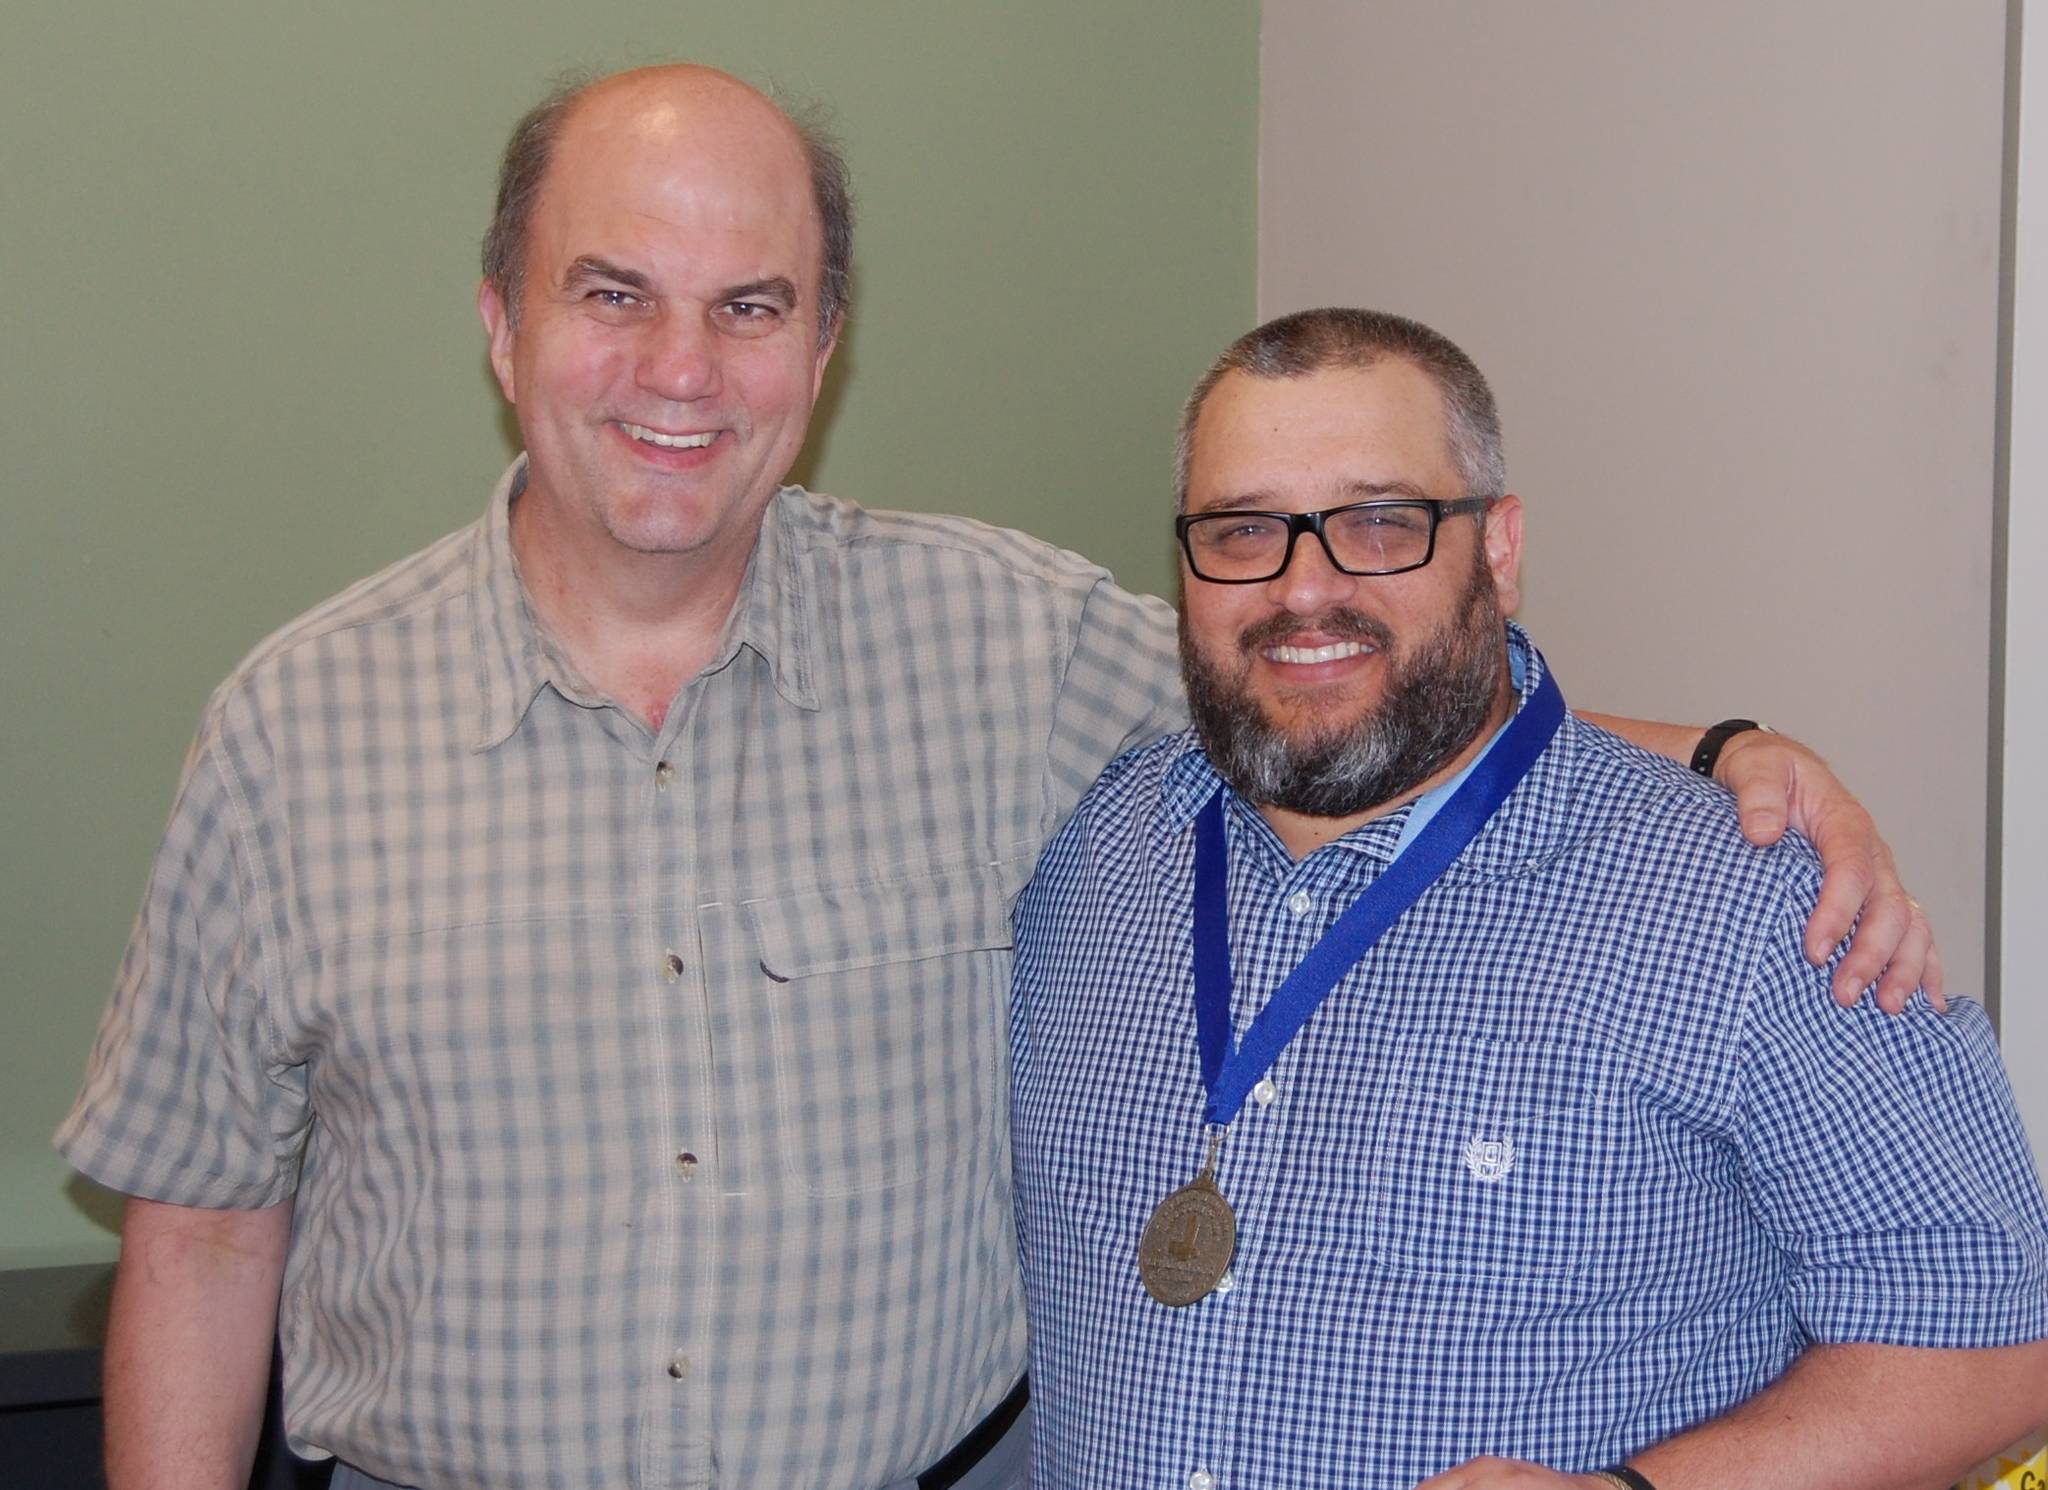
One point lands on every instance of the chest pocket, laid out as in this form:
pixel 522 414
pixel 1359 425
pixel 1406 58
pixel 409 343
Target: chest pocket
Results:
pixel 1496 1159
pixel 889 1003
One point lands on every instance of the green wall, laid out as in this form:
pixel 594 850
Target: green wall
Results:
pixel 240 366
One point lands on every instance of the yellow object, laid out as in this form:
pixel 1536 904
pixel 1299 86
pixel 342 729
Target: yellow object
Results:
pixel 2021 1467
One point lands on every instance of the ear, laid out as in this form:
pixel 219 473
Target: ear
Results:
pixel 825 355
pixel 1504 551
pixel 498 325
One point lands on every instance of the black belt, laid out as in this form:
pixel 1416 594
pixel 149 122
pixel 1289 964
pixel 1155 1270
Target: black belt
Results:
pixel 972 1449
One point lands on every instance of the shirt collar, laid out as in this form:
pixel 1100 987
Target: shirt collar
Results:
pixel 771 618
pixel 512 661
pixel 515 658
pixel 1189 779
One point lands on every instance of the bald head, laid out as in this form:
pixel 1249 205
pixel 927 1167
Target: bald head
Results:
pixel 715 110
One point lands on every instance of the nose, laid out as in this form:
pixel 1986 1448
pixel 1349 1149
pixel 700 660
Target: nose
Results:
pixel 1310 583
pixel 678 358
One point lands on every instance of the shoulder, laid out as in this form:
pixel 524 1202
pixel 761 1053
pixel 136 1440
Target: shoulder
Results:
pixel 1625 790
pixel 1112 820
pixel 415 587
pixel 1136 780
pixel 1648 839
pixel 1103 867
pixel 815 522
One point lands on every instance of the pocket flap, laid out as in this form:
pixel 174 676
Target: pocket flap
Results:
pixel 840 927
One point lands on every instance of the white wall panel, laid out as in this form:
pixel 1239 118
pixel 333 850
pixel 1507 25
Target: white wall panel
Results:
pixel 1733 270
pixel 2023 954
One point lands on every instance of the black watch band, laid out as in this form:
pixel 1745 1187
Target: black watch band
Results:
pixel 1621 1474
pixel 1707 753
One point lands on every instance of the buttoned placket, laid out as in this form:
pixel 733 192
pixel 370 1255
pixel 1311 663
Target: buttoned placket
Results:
pixel 1279 909
pixel 677 1450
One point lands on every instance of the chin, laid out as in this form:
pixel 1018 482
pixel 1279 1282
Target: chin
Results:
pixel 1310 722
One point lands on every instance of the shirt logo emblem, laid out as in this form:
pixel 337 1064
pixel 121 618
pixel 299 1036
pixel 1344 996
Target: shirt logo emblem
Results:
pixel 1490 1159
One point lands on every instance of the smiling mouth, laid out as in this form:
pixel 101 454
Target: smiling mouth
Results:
pixel 1333 652
pixel 648 436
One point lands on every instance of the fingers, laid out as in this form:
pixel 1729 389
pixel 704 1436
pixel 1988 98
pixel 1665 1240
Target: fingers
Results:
pixel 1894 947
pixel 1911 963
pixel 1930 975
pixel 1893 950
pixel 1777 782
pixel 1849 878
pixel 1766 770
pixel 1762 784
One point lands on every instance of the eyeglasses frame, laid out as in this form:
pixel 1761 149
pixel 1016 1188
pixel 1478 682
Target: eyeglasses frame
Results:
pixel 1312 522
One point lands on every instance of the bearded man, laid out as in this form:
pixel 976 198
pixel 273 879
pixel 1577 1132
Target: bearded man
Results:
pixel 1416 1083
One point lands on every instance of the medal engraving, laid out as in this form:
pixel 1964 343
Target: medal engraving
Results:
pixel 1188 1243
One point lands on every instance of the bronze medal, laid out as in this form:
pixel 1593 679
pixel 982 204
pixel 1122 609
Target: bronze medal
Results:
pixel 1188 1243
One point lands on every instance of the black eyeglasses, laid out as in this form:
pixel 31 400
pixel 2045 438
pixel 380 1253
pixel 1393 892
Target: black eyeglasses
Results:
pixel 1380 537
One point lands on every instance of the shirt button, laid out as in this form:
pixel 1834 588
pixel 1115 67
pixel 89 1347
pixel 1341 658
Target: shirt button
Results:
pixel 664 773
pixel 672 969
pixel 1301 902
pixel 1201 1479
pixel 679 1365
pixel 686 1165
pixel 1265 1092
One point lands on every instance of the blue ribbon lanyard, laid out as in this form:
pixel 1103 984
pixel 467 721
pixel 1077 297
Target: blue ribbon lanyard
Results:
pixel 1230 1074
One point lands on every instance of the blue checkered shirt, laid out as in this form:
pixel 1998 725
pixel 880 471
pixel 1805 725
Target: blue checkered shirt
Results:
pixel 640 1093
pixel 1580 1154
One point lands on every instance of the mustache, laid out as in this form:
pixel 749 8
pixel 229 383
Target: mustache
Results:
pixel 1340 622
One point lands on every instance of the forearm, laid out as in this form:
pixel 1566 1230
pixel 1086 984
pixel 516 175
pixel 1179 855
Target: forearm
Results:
pixel 1678 741
pixel 188 1344
pixel 1864 1417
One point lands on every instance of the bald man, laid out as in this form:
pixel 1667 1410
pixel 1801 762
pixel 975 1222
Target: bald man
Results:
pixel 568 1008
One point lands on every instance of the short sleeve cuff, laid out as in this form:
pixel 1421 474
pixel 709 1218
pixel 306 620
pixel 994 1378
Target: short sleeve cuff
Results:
pixel 87 1146
pixel 1874 1310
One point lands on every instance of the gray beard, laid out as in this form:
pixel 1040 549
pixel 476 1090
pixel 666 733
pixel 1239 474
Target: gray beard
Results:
pixel 1436 702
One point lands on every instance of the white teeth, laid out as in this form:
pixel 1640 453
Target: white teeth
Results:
pixel 669 442
pixel 1318 654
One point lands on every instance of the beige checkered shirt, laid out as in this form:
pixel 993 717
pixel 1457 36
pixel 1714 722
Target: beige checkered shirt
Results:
pixel 642 1094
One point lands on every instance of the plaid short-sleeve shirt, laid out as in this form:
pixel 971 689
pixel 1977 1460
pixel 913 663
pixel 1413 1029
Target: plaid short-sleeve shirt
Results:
pixel 1579 1154
pixel 642 1095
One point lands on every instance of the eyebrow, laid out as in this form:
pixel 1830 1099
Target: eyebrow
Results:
pixel 775 287
pixel 588 268
pixel 1352 491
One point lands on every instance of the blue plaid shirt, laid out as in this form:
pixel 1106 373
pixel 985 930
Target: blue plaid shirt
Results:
pixel 1580 1154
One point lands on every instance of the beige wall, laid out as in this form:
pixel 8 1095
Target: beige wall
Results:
pixel 2023 948
pixel 1733 270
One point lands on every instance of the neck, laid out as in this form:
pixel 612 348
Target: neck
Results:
pixel 1302 834
pixel 637 626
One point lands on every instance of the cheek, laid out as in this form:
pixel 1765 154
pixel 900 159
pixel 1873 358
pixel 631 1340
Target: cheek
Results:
pixel 1216 621
pixel 568 369
pixel 778 384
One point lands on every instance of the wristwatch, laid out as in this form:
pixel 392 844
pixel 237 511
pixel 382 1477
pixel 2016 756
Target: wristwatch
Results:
pixel 1621 1476
pixel 1707 754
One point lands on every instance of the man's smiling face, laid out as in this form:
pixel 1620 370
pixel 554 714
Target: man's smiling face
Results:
pixel 1331 693
pixel 666 354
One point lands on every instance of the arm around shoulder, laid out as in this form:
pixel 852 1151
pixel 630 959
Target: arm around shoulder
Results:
pixel 189 1342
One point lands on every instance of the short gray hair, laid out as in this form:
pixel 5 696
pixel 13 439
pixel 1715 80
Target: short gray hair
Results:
pixel 532 147
pixel 1308 341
